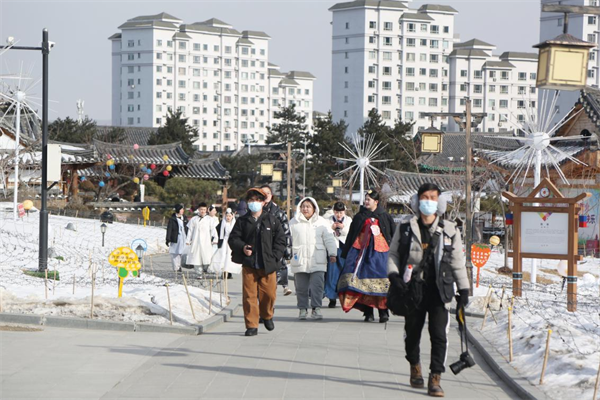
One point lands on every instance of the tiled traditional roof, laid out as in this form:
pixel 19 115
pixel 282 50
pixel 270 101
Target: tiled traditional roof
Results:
pixel 405 184
pixel 125 154
pixel 133 135
pixel 589 99
pixel 203 169
pixel 453 153
pixel 78 153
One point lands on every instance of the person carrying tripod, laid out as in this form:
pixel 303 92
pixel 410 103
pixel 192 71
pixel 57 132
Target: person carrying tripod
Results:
pixel 425 261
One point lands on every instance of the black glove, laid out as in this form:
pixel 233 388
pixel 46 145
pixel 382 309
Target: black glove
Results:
pixel 462 299
pixel 397 281
pixel 167 242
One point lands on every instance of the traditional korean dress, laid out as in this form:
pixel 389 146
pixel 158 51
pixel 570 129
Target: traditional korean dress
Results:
pixel 363 281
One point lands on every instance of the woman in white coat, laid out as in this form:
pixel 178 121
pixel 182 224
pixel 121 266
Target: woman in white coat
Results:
pixel 312 241
pixel 221 261
pixel 202 235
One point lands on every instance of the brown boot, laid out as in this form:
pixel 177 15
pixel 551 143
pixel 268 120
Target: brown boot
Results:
pixel 433 386
pixel 416 377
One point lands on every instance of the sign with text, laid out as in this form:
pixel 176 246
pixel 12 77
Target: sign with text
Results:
pixel 545 233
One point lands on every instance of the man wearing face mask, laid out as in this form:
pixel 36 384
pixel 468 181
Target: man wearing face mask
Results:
pixel 258 242
pixel 433 247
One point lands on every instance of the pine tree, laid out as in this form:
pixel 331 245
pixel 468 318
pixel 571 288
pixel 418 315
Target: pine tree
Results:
pixel 176 129
pixel 324 147
pixel 291 128
pixel 70 131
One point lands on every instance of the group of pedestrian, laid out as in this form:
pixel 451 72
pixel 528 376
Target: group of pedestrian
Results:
pixel 357 261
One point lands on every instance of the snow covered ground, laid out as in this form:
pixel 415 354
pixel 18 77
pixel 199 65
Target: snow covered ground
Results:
pixel 144 299
pixel 575 341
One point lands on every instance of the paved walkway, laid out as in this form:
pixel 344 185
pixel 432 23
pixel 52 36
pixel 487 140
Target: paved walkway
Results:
pixel 339 357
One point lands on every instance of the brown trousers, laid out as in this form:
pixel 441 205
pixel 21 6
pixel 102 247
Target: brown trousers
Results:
pixel 259 291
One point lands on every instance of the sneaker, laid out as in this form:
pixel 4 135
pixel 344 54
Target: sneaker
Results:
pixel 316 313
pixel 332 303
pixel 303 313
pixel 286 291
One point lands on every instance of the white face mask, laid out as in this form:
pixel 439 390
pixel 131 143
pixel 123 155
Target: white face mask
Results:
pixel 255 206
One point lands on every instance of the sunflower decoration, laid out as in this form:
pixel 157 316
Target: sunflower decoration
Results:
pixel 126 261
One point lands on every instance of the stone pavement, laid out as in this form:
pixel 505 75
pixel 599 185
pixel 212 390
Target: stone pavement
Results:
pixel 339 357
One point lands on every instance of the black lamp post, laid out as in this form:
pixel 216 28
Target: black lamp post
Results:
pixel 103 230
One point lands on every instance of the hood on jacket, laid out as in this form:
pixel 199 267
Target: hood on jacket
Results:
pixel 299 214
pixel 442 204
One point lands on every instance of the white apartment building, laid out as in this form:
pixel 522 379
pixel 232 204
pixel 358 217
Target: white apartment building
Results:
pixel 585 27
pixel 405 62
pixel 218 77
pixel 392 58
pixel 502 86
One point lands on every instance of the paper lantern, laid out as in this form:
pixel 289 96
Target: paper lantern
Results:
pixel 28 205
pixel 107 174
pixel 146 177
pixel 509 219
pixel 583 221
pixel 82 178
pixel 142 166
pixel 169 168
pixel 111 167
pixel 165 157
pixel 101 184
pixel 562 268
pixel 136 180
pixel 136 146
pixel 108 156
pixel 166 173
pixel 152 166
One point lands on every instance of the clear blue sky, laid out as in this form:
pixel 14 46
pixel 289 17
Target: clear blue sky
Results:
pixel 300 31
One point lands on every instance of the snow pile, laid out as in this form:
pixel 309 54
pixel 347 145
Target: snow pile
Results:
pixel 77 255
pixel 575 340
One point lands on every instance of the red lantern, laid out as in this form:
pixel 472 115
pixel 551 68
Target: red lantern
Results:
pixel 152 166
pixel 166 173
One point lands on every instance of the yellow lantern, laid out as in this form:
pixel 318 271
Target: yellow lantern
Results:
pixel 494 240
pixel 266 169
pixel 28 205
pixel 165 157
pixel 136 180
pixel 330 189
pixel 169 168
pixel 563 63
pixel 277 175
pixel 337 182
pixel 431 140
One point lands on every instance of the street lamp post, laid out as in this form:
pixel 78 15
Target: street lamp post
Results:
pixel 103 230
pixel 304 170
pixel 139 251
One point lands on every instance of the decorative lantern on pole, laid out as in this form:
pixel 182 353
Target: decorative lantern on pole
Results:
pixel 103 230
pixel 266 169
pixel 431 140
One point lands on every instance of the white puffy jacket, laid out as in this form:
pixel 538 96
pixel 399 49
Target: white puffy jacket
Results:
pixel 312 241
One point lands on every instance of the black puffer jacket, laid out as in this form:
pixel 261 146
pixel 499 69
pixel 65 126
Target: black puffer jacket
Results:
pixel 274 210
pixel 386 224
pixel 272 241
pixel 173 228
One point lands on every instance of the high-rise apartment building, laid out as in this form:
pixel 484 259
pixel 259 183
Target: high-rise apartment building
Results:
pixel 392 58
pixel 585 27
pixel 502 86
pixel 218 77
pixel 405 62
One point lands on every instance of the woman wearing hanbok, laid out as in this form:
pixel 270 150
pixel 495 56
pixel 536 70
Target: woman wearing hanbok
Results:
pixel 202 235
pixel 363 282
pixel 221 261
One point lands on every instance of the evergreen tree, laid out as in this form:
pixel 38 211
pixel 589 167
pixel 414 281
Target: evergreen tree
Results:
pixel 176 129
pixel 400 148
pixel 324 147
pixel 115 135
pixel 70 131
pixel 244 171
pixel 291 128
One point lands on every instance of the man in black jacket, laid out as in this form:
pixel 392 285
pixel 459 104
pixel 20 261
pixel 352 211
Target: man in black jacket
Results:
pixel 258 242
pixel 273 209
pixel 176 235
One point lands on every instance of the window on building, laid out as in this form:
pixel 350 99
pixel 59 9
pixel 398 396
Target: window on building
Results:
pixel 410 42
pixel 522 76
pixel 130 43
pixel 182 45
pixel 477 103
pixel 372 40
pixel 446 29
pixel 503 103
pixel 387 41
pixel 372 24
pixel 169 43
pixel 347 25
pixel 386 85
pixel 387 70
pixel 477 89
pixel 371 84
pixel 434 58
pixel 591 37
pixel 409 101
pixel 423 27
pixel 504 75
pixel 492 74
pixel 492 103
pixel 410 86
pixel 520 104
pixel 386 100
pixel 181 58
pixel 423 42
pixel 422 71
pixel 422 101
pixel 522 90
pixel 533 76
pixel 463 87
pixel 410 71
pixel 591 73
pixel 503 89
pixel 477 74
pixel 130 95
pixel 388 26
pixel 433 102
pixel 158 95
pixel 463 73
pixel 433 87
pixel 387 56
pixel 433 73
pixel 131 57
pixel 492 89
pixel 372 55
pixel 411 27
pixel 410 57
pixel 434 29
